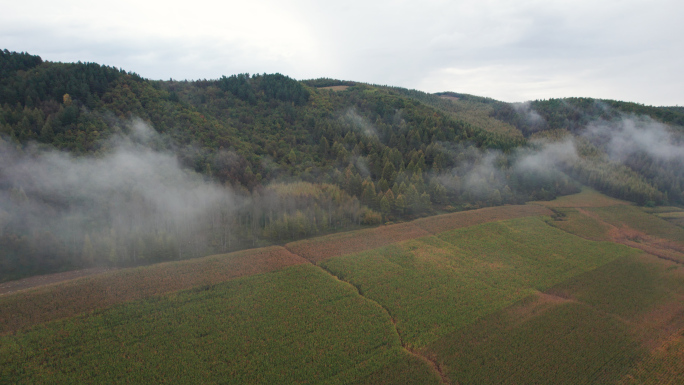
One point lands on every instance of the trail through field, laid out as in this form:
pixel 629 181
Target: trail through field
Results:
pixel 432 363
pixel 429 361
pixel 49 279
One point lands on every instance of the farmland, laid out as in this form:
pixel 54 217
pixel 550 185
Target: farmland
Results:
pixel 476 270
pixel 561 291
pixel 664 367
pixel 67 299
pixel 281 327
pixel 590 329
pixel 635 218
pixel 586 198
pixel 321 248
pixel 673 215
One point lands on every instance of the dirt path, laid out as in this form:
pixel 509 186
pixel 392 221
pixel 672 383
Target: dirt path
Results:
pixel 47 279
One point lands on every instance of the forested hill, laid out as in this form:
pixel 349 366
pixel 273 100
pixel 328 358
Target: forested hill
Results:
pixel 271 159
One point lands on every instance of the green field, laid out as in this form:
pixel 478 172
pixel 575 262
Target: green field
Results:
pixel 534 298
pixel 435 285
pixel 569 343
pixel 592 328
pixel 639 220
pixel 664 367
pixel 580 224
pixel 298 325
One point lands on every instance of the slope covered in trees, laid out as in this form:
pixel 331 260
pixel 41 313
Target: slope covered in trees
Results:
pixel 102 166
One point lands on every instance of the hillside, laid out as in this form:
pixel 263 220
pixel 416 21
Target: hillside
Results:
pixel 584 289
pixel 101 167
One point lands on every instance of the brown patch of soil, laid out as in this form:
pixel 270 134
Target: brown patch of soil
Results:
pixel 48 279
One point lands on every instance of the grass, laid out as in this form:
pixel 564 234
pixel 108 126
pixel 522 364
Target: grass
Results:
pixel 434 285
pixel 296 325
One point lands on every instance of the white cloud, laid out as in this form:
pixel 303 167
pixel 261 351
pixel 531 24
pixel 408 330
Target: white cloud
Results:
pixel 629 50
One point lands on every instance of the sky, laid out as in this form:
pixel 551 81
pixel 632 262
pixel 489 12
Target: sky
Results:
pixel 514 51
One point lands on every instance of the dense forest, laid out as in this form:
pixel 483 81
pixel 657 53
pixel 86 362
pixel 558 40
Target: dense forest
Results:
pixel 103 167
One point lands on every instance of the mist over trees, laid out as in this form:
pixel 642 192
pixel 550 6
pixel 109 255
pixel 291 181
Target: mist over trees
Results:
pixel 100 166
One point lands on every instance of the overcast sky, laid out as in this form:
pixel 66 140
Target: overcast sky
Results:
pixel 629 50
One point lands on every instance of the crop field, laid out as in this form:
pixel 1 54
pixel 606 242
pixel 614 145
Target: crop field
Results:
pixel 447 222
pixel 318 249
pixel 31 307
pixel 577 222
pixel 663 210
pixel 594 328
pixel 674 215
pixel 635 218
pixel 664 367
pixel 671 215
pixel 587 198
pixel 280 327
pixel 434 285
pixel 539 293
pixel 321 248
pixel 631 288
pixel 568 343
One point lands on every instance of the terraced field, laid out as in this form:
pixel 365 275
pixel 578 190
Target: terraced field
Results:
pixel 584 289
